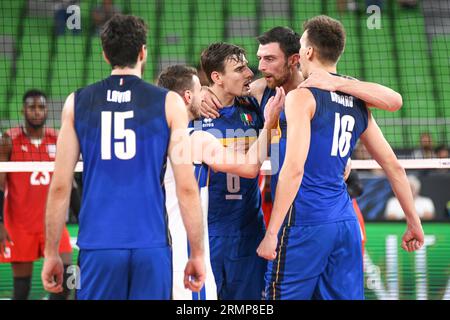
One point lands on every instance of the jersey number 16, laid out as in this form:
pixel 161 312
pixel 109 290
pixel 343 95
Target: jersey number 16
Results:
pixel 341 141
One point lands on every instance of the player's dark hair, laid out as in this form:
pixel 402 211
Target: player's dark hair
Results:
pixel 287 38
pixel 213 58
pixel 177 78
pixel 33 93
pixel 440 148
pixel 327 36
pixel 122 38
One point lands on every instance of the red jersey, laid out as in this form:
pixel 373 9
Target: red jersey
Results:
pixel 26 192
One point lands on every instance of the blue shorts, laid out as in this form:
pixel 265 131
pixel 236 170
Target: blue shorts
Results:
pixel 317 262
pixel 123 274
pixel 238 271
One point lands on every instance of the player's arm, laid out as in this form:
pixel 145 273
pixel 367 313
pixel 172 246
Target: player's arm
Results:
pixel 257 88
pixel 379 148
pixel 210 104
pixel 374 94
pixel 247 165
pixel 300 108
pixel 5 153
pixel 67 155
pixel 186 188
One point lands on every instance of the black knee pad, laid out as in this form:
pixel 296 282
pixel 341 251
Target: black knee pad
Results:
pixel 22 287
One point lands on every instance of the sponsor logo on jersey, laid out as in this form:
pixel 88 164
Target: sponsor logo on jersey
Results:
pixel 207 123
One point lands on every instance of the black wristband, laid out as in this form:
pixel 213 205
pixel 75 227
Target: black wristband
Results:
pixel 1 206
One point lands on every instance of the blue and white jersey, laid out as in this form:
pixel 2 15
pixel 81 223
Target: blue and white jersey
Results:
pixel 123 134
pixel 180 244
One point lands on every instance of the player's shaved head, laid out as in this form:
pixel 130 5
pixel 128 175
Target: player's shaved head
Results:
pixel 35 108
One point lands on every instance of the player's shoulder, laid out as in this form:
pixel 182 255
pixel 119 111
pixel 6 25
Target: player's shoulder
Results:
pixel 258 86
pixel 13 133
pixel 51 132
pixel 300 93
pixel 301 100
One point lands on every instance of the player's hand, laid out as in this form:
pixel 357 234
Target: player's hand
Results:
pixel 210 104
pixel 348 169
pixel 4 238
pixel 52 274
pixel 320 79
pixel 413 238
pixel 274 107
pixel 195 274
pixel 267 249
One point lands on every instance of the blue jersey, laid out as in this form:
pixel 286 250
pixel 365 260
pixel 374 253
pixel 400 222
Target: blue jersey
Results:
pixel 123 134
pixel 338 122
pixel 234 202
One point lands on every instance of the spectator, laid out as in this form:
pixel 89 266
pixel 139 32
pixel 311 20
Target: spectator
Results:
pixel 441 152
pixel 22 229
pixel 424 206
pixel 426 147
pixel 103 13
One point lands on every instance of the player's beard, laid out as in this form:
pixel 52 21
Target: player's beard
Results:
pixel 143 67
pixel 278 82
pixel 195 112
pixel 36 126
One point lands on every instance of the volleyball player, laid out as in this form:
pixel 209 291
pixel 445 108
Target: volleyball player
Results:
pixel 208 150
pixel 124 128
pixel 22 231
pixel 313 239
pixel 278 55
pixel 235 218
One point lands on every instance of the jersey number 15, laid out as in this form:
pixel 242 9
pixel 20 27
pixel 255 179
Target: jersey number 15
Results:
pixel 124 149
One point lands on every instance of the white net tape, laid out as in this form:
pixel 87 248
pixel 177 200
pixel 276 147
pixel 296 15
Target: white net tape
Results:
pixel 23 166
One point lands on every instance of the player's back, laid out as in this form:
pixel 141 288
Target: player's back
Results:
pixel 123 135
pixel 338 122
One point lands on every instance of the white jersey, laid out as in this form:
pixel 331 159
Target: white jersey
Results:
pixel 180 244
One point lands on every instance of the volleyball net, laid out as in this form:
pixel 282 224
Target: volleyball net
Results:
pixel 54 46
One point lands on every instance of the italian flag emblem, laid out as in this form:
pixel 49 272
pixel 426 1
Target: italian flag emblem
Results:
pixel 246 118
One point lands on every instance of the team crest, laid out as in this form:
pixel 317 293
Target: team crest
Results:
pixel 247 119
pixel 51 150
